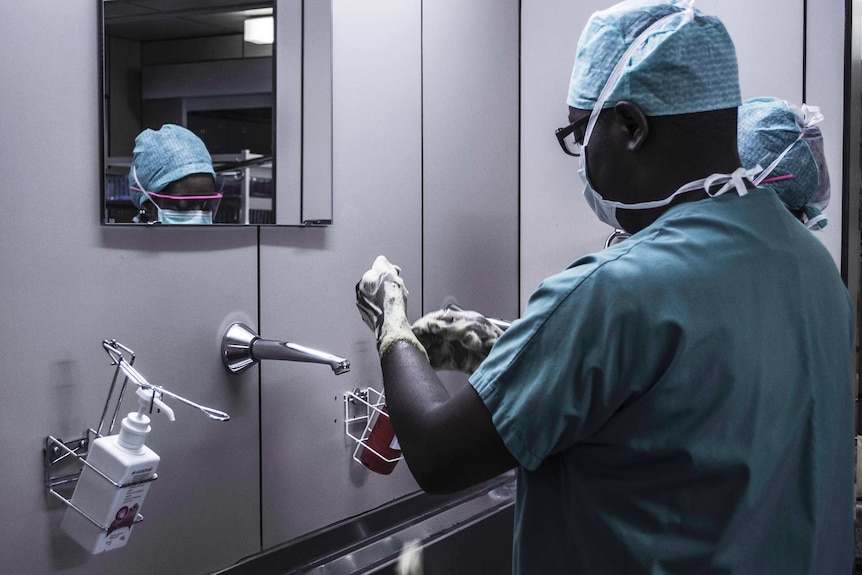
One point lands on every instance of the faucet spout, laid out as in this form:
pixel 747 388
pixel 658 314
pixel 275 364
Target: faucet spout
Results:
pixel 241 348
pixel 287 351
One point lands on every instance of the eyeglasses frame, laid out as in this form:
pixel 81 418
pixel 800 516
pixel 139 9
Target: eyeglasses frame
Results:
pixel 563 133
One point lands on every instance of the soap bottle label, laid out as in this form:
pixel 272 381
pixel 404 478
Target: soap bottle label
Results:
pixel 114 508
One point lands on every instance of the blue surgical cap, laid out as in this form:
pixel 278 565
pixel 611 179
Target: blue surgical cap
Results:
pixel 686 65
pixel 766 128
pixel 164 156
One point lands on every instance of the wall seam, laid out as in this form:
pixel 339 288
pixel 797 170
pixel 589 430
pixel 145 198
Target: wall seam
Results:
pixel 850 211
pixel 520 128
pixel 804 50
pixel 422 151
pixel 259 403
pixel 848 218
pixel 302 112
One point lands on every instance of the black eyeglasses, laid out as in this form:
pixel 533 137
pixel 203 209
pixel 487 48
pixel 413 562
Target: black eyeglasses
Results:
pixel 568 139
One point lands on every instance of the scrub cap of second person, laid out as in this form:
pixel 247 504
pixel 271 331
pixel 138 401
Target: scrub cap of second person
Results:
pixel 164 156
pixel 686 65
pixel 766 128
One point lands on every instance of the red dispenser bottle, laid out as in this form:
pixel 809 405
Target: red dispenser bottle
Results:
pixel 382 440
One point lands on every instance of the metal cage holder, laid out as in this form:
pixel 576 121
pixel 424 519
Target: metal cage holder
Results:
pixel 61 454
pixel 77 448
pixel 359 408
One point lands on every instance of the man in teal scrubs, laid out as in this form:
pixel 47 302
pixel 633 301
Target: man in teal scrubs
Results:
pixel 678 403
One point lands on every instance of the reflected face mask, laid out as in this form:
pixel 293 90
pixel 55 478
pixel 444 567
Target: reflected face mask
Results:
pixel 185 217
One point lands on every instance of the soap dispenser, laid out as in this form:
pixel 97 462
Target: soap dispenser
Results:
pixel 126 461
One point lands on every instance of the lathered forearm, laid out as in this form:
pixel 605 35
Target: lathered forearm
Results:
pixel 393 325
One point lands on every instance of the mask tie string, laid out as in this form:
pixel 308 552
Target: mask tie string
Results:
pixel 735 179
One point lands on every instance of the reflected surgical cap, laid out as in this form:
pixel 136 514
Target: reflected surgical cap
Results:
pixel 686 65
pixel 164 156
pixel 766 128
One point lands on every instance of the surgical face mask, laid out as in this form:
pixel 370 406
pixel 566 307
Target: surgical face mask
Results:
pixel 185 217
pixel 605 209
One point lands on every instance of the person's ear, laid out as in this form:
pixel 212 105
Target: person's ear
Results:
pixel 634 123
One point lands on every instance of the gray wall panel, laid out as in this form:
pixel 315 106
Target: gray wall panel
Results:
pixel 470 130
pixel 768 40
pixel 824 77
pixel 308 274
pixel 557 226
pixel 68 283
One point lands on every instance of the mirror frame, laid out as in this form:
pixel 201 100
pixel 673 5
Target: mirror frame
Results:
pixel 302 116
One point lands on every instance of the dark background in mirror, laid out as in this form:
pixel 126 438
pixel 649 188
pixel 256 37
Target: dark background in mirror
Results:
pixel 186 62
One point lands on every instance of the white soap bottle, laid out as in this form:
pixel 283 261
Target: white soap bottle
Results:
pixel 126 460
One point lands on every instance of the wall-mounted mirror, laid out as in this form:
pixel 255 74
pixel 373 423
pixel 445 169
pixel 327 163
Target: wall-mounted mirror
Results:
pixel 250 78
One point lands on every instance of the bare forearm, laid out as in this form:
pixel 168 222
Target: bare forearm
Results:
pixel 408 372
pixel 449 442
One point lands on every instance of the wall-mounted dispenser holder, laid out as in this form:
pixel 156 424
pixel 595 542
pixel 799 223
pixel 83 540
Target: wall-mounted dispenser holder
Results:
pixel 376 446
pixel 58 451
pixel 64 461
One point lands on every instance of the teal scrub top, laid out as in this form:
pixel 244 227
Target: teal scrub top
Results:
pixel 681 403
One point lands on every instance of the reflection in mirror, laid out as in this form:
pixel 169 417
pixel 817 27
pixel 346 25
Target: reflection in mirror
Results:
pixel 202 64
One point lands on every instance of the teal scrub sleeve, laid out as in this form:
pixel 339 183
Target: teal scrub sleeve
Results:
pixel 574 359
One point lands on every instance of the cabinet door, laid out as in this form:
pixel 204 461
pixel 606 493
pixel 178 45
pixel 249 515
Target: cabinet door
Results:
pixel 68 284
pixel 470 151
pixel 308 275
pixel 426 172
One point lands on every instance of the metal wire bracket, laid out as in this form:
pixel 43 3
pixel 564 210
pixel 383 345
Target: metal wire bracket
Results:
pixel 57 451
pixel 359 408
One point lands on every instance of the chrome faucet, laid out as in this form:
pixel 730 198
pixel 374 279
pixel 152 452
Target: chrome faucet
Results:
pixel 241 348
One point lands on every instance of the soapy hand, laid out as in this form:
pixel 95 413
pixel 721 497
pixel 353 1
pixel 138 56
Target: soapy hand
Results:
pixel 369 295
pixel 382 301
pixel 456 340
